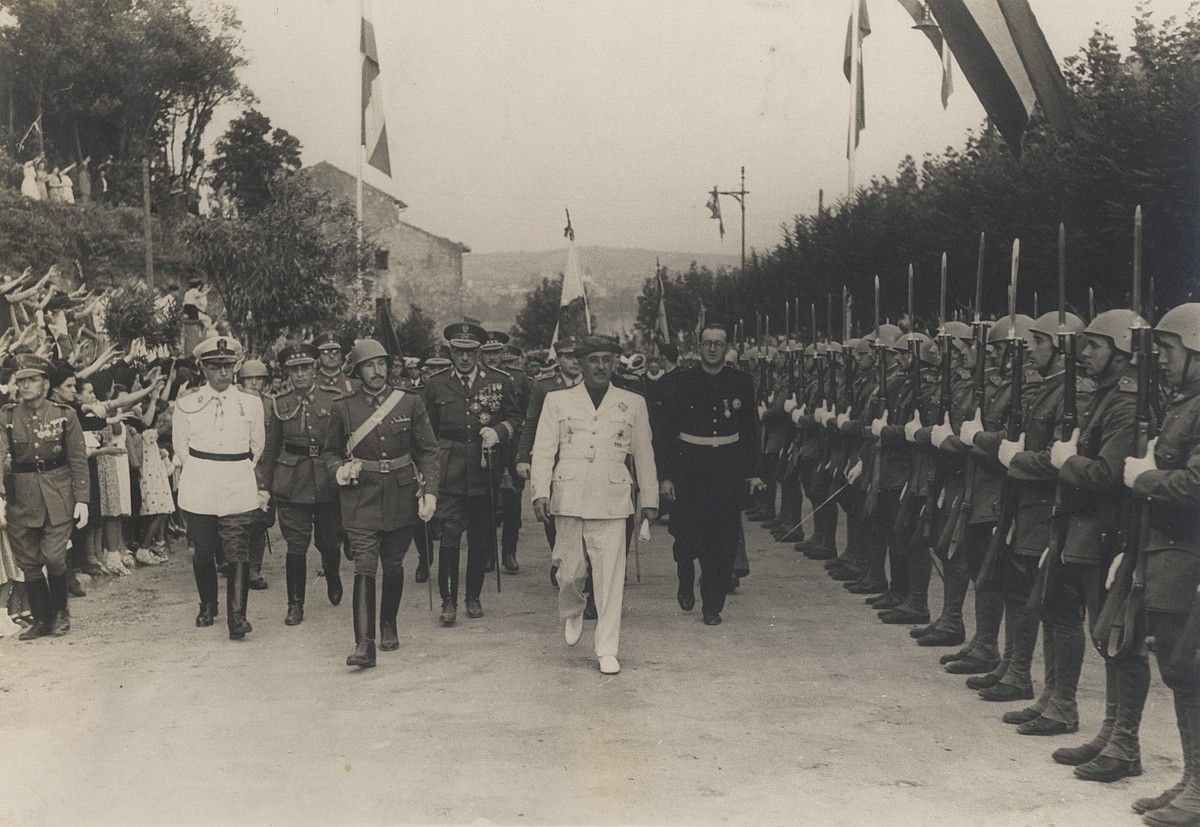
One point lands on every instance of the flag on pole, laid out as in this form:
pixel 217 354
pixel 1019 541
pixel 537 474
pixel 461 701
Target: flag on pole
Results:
pixel 714 206
pixel 852 68
pixel 923 17
pixel 661 327
pixel 1006 59
pixel 572 284
pixel 374 129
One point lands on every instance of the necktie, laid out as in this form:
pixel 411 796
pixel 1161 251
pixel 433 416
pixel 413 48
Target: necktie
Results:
pixel 466 383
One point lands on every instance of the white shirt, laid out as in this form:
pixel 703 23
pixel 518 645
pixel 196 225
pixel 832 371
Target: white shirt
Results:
pixel 230 422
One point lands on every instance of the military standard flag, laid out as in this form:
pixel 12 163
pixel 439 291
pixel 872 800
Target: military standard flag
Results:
pixel 374 128
pixel 852 68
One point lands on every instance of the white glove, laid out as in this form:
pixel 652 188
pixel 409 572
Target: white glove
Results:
pixel 3 512
pixel 914 425
pixel 1042 559
pixel 1112 571
pixel 490 438
pixel 789 405
pixel 523 470
pixel 820 414
pixel 1136 466
pixel 762 409
pixel 81 514
pixel 843 418
pixel 426 506
pixel 971 428
pixel 1061 451
pixel 879 424
pixel 796 414
pixel 1009 449
pixel 347 473
pixel 854 473
pixel 264 500
pixel 941 432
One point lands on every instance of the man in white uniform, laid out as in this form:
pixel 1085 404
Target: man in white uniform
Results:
pixel 579 476
pixel 218 435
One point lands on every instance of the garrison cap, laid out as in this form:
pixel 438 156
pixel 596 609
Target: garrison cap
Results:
pixel 598 344
pixel 253 369
pixel 30 365
pixel 327 341
pixel 219 350
pixel 297 353
pixel 464 335
pixel 494 340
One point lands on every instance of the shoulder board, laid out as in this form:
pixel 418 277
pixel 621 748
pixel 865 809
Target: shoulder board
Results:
pixel 1127 384
pixel 1084 385
pixel 498 370
pixel 332 388
pixel 344 394
pixel 63 407
pixel 439 372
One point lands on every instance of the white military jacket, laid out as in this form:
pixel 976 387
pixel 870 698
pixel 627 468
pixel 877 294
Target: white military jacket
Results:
pixel 229 423
pixel 579 454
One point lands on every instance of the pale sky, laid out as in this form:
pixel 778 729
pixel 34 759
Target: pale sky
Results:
pixel 502 112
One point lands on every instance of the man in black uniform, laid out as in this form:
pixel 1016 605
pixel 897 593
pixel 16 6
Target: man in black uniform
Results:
pixel 706 454
pixel 473 410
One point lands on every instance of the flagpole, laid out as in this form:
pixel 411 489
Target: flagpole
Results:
pixel 852 132
pixel 362 147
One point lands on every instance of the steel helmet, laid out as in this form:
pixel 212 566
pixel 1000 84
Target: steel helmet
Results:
pixel 1002 330
pixel 889 333
pixel 253 369
pixel 851 344
pixel 1184 322
pixel 810 350
pixel 864 346
pixel 1116 325
pixel 1047 324
pixel 363 350
pixel 927 349
pixel 958 330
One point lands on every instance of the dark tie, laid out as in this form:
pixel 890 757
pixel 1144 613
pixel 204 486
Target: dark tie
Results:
pixel 466 383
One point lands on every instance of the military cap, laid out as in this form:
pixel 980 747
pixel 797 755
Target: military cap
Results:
pixel 297 353
pixel 464 335
pixel 513 352
pixel 253 369
pixel 412 361
pixel 30 365
pixel 327 341
pixel 566 346
pixel 219 350
pixel 494 340
pixel 437 356
pixel 598 344
pixel 364 350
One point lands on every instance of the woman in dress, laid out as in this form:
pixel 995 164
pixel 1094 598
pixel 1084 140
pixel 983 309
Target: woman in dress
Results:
pixel 29 183
pixel 157 501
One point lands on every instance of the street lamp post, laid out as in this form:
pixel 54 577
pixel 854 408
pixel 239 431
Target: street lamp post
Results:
pixel 740 194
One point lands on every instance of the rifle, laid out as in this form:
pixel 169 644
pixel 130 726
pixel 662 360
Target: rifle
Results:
pixel 960 509
pixel 925 518
pixel 1117 629
pixel 905 517
pixel 1067 345
pixel 881 406
pixel 991 571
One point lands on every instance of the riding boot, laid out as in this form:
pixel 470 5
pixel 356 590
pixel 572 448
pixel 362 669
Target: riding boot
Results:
pixel 331 563
pixel 364 622
pixel 1183 710
pixel 59 593
pixel 236 591
pixel 297 576
pixel 389 605
pixel 206 587
pixel 41 607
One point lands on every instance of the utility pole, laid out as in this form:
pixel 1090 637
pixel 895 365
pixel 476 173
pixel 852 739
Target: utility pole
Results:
pixel 740 195
pixel 147 224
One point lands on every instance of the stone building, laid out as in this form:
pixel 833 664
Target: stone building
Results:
pixel 412 265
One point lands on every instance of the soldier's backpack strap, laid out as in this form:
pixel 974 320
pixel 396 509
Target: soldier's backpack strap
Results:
pixel 363 430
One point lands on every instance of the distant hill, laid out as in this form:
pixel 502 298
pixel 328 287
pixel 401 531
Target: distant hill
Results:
pixel 497 282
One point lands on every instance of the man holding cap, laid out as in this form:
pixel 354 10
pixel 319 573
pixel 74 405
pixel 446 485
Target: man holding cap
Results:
pixel 298 481
pixel 584 436
pixel 381 451
pixel 218 433
pixel 473 409
pixel 50 492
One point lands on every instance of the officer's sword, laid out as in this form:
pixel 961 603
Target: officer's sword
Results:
pixel 486 461
pixel 428 538
pixel 813 513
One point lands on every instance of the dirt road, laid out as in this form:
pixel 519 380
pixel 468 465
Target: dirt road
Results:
pixel 801 708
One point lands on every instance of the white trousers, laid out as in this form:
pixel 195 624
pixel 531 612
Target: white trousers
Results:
pixel 603 542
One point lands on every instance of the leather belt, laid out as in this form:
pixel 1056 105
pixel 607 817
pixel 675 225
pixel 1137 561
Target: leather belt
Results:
pixel 709 441
pixel 38 466
pixel 303 450
pixel 386 466
pixel 198 454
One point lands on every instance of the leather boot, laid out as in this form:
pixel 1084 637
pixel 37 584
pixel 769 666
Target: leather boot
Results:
pixel 236 591
pixel 332 565
pixel 686 594
pixel 942 637
pixel 509 561
pixel 885 602
pixel 59 591
pixel 296 573
pixel 914 609
pixel 1145 805
pixel 449 613
pixel 422 573
pixel 206 588
pixel 364 622
pixel 1184 807
pixel 38 593
pixel 389 606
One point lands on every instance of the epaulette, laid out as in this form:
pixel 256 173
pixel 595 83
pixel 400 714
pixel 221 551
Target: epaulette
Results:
pixel 1084 385
pixel 344 394
pixel 332 389
pixel 1127 384
pixel 498 370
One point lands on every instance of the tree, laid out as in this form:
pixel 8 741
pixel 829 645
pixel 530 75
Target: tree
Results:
pixel 250 155
pixel 536 321
pixel 295 263
pixel 417 333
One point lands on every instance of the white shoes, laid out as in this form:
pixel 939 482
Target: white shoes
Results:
pixel 609 665
pixel 573 629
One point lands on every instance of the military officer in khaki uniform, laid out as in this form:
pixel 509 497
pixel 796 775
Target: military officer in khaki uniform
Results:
pixel 381 452
pixel 473 409
pixel 50 491
pixel 218 433
pixel 298 481
pixel 330 363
